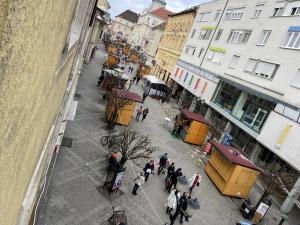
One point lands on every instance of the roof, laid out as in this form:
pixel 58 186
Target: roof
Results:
pixel 162 13
pixel 154 79
pixel 121 93
pixel 194 116
pixel 130 16
pixel 189 10
pixel 234 155
pixel 161 26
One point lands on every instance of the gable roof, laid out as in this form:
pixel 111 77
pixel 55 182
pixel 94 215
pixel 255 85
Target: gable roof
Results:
pixel 189 10
pixel 161 26
pixel 162 13
pixel 194 116
pixel 129 15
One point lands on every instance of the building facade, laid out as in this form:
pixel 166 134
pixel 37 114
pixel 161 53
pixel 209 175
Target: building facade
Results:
pixel 176 32
pixel 151 17
pixel 240 69
pixel 42 46
pixel 151 46
pixel 122 25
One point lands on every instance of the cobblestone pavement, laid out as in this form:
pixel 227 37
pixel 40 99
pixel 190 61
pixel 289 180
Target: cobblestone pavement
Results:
pixel 72 196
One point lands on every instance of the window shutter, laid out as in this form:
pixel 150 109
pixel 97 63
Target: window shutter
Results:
pixel 268 69
pixel 250 65
pixel 296 80
pixel 234 61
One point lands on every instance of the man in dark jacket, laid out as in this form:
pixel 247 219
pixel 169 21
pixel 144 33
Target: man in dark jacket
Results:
pixel 162 162
pixel 181 207
pixel 173 179
pixel 171 170
pixel 149 167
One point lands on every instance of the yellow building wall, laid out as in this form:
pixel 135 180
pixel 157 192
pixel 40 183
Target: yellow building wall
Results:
pixel 172 42
pixel 32 36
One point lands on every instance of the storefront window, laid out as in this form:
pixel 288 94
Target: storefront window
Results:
pixel 227 97
pixel 256 112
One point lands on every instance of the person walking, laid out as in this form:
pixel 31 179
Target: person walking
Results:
pixel 138 77
pixel 144 96
pixel 170 170
pixel 138 181
pixel 139 111
pixel 149 167
pixel 172 201
pixel 134 78
pixel 173 179
pixel 145 112
pixel 162 163
pixel 194 181
pixel 180 209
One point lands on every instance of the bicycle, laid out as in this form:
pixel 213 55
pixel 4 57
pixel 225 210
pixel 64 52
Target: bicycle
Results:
pixel 109 140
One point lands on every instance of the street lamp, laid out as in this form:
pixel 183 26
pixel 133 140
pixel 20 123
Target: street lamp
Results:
pixel 181 183
pixel 192 206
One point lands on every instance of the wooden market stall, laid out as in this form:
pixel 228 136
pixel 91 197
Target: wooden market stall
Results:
pixel 195 127
pixel 126 98
pixel 231 171
pixel 114 79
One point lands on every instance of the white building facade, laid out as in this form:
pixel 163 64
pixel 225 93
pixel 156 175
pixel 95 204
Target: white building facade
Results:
pixel 151 17
pixel 123 24
pixel 242 63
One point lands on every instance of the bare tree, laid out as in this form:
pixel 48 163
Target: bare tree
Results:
pixel 119 104
pixel 278 180
pixel 133 145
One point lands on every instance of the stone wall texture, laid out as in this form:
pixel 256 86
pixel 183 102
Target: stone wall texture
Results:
pixel 33 79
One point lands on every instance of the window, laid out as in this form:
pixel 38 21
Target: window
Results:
pixel 203 17
pixel 265 34
pixel 257 13
pixel 193 33
pixel 233 15
pixel 288 112
pixel 296 80
pixel 200 52
pixel 215 56
pixel 217 15
pixel 234 61
pixel 278 11
pixel 295 11
pixel 205 34
pixel 239 36
pixel 190 50
pixel 218 36
pixel 261 68
pixel 291 40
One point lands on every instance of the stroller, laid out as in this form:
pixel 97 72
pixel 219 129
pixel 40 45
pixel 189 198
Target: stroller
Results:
pixel 118 217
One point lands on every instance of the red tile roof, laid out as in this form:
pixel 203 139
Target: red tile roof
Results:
pixel 234 155
pixel 162 13
pixel 121 93
pixel 194 116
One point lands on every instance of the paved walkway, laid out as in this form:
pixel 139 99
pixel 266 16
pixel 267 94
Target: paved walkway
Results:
pixel 72 196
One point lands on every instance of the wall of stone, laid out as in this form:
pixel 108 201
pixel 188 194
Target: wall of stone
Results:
pixel 33 78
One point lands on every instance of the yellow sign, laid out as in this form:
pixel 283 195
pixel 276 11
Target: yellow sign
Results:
pixel 284 134
pixel 217 49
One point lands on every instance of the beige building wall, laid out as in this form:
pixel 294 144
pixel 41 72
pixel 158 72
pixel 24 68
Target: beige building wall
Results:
pixel 121 25
pixel 172 42
pixel 33 78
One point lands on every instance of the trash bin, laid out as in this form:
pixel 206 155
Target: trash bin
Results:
pixel 247 209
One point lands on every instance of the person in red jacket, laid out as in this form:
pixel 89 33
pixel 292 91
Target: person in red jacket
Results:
pixel 194 181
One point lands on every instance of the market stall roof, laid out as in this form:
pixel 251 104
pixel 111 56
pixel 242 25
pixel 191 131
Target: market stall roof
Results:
pixel 194 116
pixel 121 93
pixel 234 155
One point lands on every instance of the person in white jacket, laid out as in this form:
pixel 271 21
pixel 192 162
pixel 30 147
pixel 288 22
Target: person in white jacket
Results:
pixel 194 181
pixel 139 180
pixel 172 201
